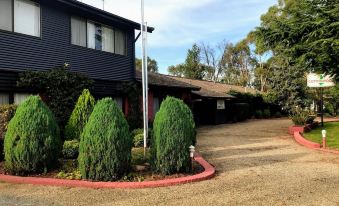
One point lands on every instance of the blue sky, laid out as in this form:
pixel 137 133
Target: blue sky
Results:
pixel 181 23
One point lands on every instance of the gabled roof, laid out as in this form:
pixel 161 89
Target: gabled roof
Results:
pixel 75 5
pixel 161 80
pixel 213 89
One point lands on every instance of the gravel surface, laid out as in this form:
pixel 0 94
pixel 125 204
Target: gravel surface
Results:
pixel 257 163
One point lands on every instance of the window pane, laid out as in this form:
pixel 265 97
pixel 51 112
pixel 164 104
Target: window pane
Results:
pixel 6 15
pixel 120 42
pixel 107 39
pixel 156 105
pixel 4 98
pixel 19 98
pixel 94 36
pixel 26 17
pixel 91 35
pixel 119 101
pixel 78 31
pixel 98 37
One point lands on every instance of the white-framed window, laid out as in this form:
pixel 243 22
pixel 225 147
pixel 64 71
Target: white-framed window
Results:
pixel 98 36
pixel 6 15
pixel 156 105
pixel 4 98
pixel 120 39
pixel 78 27
pixel 21 16
pixel 20 97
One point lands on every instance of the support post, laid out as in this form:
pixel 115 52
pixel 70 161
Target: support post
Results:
pixel 322 106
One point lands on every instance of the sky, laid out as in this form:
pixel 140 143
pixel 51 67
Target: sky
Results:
pixel 181 23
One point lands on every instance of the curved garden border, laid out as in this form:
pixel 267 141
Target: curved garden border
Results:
pixel 309 144
pixel 209 172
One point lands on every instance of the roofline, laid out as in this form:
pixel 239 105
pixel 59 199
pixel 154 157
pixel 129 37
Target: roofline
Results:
pixel 105 14
pixel 257 91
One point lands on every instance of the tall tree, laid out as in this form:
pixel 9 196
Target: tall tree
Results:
pixel 306 31
pixel 152 65
pixel 192 67
pixel 238 63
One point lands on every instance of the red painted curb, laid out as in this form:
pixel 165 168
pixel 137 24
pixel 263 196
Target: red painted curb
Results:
pixel 208 173
pixel 301 140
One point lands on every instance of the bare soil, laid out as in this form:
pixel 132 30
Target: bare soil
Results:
pixel 257 163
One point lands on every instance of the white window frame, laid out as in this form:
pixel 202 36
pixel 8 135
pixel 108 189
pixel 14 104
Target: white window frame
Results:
pixel 13 17
pixel 88 21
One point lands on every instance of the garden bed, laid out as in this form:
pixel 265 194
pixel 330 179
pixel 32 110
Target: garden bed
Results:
pixel 67 169
pixel 202 169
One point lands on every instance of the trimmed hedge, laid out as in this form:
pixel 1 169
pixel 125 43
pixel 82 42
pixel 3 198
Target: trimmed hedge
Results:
pixel 105 145
pixel 70 149
pixel 80 115
pixel 6 114
pixel 241 112
pixel 1 150
pixel 173 133
pixel 32 141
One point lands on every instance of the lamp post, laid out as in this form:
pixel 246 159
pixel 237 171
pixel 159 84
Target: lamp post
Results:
pixel 192 151
pixel 323 133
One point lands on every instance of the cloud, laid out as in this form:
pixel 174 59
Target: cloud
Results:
pixel 180 23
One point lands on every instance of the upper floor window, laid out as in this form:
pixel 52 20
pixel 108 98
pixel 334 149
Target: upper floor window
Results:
pixel 22 16
pixel 98 36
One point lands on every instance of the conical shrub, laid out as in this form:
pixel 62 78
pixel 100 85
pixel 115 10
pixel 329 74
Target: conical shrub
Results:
pixel 173 133
pixel 80 115
pixel 105 144
pixel 32 140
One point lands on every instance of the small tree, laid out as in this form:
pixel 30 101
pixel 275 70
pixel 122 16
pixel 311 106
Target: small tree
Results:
pixel 32 141
pixel 105 144
pixel 173 133
pixel 59 88
pixel 80 115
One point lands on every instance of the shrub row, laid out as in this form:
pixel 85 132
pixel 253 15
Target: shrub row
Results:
pixel 33 143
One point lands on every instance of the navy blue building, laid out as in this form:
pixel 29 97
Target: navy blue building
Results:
pixel 43 34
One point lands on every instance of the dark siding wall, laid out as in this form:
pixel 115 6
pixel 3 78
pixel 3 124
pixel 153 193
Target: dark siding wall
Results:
pixel 20 52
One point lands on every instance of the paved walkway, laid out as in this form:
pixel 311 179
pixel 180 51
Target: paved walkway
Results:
pixel 257 163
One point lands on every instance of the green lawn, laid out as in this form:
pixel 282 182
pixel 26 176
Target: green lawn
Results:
pixel 332 129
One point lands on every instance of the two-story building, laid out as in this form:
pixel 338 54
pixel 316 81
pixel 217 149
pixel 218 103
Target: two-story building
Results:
pixel 43 34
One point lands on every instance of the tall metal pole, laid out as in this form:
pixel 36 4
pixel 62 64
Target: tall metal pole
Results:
pixel 322 106
pixel 144 77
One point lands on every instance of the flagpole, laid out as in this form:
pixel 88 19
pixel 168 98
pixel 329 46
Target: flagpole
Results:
pixel 144 77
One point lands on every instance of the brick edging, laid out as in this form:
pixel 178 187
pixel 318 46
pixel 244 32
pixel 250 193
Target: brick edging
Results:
pixel 312 145
pixel 209 172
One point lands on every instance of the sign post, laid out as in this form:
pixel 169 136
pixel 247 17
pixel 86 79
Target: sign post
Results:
pixel 320 81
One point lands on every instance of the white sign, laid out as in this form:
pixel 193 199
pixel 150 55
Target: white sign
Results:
pixel 319 80
pixel 220 104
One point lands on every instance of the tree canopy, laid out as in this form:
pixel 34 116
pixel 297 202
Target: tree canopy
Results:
pixel 304 31
pixel 152 65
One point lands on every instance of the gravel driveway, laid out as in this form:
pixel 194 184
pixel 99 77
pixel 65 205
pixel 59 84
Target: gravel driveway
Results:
pixel 257 163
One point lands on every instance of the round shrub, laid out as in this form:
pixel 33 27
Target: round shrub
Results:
pixel 138 137
pixel 6 114
pixel 80 115
pixel 105 144
pixel 70 150
pixel 258 114
pixel 138 140
pixel 173 133
pixel 32 140
pixel 266 113
pixel 1 149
